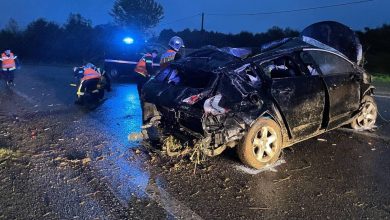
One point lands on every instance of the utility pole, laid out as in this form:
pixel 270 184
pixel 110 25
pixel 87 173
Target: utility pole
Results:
pixel 202 26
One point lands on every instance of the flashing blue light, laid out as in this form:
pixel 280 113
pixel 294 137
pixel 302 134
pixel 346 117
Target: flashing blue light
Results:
pixel 128 40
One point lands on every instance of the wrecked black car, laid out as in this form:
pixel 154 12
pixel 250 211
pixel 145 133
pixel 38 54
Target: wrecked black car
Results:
pixel 263 101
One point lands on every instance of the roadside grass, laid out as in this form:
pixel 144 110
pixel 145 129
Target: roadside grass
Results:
pixel 381 77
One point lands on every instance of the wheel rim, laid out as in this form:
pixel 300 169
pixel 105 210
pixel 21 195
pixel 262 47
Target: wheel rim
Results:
pixel 367 115
pixel 265 144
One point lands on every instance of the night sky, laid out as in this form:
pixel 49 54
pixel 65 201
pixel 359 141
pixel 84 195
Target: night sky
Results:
pixel 357 16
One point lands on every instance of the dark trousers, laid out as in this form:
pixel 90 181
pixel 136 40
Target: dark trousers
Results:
pixel 9 75
pixel 86 85
pixel 146 108
pixel 141 80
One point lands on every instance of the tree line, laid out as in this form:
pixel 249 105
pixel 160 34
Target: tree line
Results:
pixel 78 41
pixel 376 48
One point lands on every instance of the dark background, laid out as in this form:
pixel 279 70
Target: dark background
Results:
pixel 78 41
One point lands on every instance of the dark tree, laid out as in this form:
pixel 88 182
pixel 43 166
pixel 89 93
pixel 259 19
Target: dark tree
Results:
pixel 12 26
pixel 139 14
pixel 42 40
pixel 196 38
pixel 77 23
pixel 78 39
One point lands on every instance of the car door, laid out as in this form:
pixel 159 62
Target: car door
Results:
pixel 342 82
pixel 299 95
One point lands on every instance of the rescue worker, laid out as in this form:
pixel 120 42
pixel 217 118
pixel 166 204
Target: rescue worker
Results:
pixel 90 77
pixel 8 66
pixel 175 43
pixel 145 69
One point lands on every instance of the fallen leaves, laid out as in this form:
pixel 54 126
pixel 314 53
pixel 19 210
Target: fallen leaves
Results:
pixel 6 153
pixel 135 136
pixel 86 161
pixel 63 162
pixel 283 179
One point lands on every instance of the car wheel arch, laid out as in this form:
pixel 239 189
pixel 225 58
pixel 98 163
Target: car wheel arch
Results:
pixel 274 114
pixel 368 91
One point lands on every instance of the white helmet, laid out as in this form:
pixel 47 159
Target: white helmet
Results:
pixel 8 52
pixel 176 43
pixel 89 65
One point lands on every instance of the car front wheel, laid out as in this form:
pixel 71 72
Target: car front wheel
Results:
pixel 262 144
pixel 366 118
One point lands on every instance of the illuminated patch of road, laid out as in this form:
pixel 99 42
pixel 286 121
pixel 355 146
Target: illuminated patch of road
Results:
pixel 24 96
pixel 251 171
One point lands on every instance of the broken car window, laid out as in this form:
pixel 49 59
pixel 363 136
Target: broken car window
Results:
pixel 280 68
pixel 330 63
pixel 249 73
pixel 309 63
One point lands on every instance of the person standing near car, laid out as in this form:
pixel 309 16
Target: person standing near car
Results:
pixel 8 66
pixel 172 54
pixel 145 69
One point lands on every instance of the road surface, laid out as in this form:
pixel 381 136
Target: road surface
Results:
pixel 60 161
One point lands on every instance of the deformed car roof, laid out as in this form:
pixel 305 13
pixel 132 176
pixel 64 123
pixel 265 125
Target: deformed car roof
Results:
pixel 211 58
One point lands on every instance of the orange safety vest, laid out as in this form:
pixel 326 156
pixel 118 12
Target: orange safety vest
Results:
pixel 141 65
pixel 90 73
pixel 167 58
pixel 8 61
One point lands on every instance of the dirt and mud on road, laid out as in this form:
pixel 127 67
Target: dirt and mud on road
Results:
pixel 60 161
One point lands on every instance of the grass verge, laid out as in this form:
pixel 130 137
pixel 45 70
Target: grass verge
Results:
pixel 381 77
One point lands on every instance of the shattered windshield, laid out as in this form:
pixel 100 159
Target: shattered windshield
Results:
pixel 208 58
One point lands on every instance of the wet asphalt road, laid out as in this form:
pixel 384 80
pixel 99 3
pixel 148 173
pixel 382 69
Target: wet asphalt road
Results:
pixel 60 161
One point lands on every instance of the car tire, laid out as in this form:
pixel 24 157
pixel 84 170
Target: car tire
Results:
pixel 262 144
pixel 367 115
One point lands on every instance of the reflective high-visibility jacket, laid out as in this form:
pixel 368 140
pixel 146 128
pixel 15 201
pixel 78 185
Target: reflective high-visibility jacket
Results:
pixel 90 73
pixel 167 58
pixel 142 64
pixel 8 62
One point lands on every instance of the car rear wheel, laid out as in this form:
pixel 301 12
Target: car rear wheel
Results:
pixel 262 144
pixel 367 116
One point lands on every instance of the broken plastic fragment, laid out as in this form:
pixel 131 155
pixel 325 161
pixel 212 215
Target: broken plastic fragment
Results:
pixel 192 99
pixel 211 106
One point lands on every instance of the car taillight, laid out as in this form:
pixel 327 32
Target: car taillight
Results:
pixel 211 106
pixel 192 99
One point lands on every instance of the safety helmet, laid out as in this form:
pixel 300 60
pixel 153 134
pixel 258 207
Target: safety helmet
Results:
pixel 89 65
pixel 176 43
pixel 8 52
